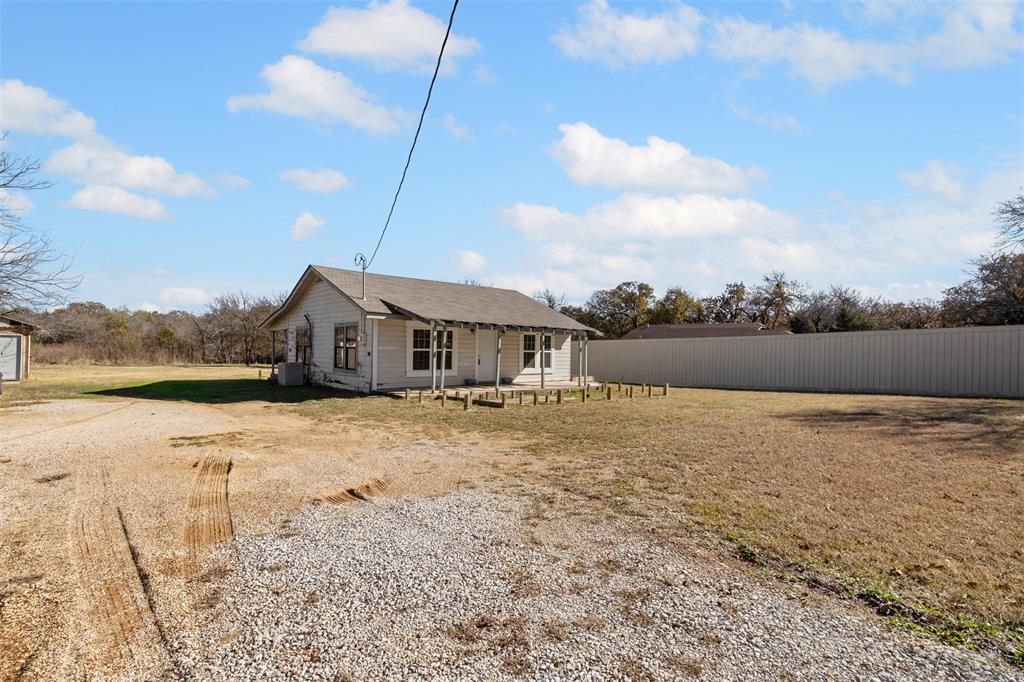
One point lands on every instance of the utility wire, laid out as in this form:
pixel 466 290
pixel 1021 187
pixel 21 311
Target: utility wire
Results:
pixel 408 160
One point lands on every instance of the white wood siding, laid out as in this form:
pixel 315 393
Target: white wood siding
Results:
pixel 327 308
pixel 973 361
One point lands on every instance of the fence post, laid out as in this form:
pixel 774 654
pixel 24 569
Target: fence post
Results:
pixel 469 401
pixel 665 391
pixel 650 387
pixel 421 395
pixel 609 392
pixel 536 398
pixel 444 398
pixel 406 392
pixel 560 396
pixel 504 397
pixel 620 388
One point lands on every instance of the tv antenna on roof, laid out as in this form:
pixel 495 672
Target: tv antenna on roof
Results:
pixel 361 262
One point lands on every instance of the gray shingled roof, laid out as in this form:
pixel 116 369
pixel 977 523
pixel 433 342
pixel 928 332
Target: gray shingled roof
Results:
pixel 443 301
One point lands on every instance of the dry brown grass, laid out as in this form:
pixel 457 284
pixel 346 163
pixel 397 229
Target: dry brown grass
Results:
pixel 920 497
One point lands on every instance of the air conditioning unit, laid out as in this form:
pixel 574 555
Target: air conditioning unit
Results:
pixel 291 373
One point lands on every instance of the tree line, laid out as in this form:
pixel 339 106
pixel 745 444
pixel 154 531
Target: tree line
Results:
pixel 226 332
pixel 993 294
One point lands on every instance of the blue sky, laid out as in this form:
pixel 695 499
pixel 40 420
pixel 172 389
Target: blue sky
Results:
pixel 198 148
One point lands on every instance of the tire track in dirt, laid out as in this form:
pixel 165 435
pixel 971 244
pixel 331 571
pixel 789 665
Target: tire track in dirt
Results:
pixel 208 520
pixel 73 422
pixel 121 634
pixel 361 493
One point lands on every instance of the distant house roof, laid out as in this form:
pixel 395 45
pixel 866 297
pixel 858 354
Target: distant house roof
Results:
pixel 701 331
pixel 433 301
pixel 8 321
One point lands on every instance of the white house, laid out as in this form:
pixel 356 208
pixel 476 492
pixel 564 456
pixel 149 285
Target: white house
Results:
pixel 375 334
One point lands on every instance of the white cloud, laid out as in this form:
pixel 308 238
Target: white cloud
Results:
pixel 484 75
pixel 185 297
pixel 455 129
pixel 767 254
pixel 642 216
pixel 29 109
pixel 159 271
pixel 298 87
pixel 149 307
pixel 938 178
pixel 323 180
pixel 306 226
pixel 117 200
pixel 615 38
pixel 784 123
pixel 470 261
pixel 99 161
pixel 388 35
pixel 16 202
pixel 231 181
pixel 970 35
pixel 590 158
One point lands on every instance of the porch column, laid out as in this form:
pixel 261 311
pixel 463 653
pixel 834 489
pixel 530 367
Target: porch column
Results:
pixel 497 360
pixel 444 352
pixel 586 354
pixel 579 360
pixel 542 358
pixel 273 350
pixel 433 358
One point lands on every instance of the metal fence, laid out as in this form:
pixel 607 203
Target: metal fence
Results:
pixel 972 361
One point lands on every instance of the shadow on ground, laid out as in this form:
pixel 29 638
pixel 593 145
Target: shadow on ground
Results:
pixel 999 424
pixel 219 391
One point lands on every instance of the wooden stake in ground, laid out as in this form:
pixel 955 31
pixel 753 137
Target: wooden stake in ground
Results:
pixel 608 390
pixel 406 392
pixel 520 397
pixel 620 388
pixel 583 393
pixel 444 398
pixel 536 398
pixel 504 397
pixel 421 395
pixel 469 401
pixel 560 397
pixel 630 392
pixel 665 390
pixel 650 389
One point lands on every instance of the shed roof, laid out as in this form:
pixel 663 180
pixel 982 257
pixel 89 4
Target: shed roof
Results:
pixel 433 301
pixel 701 330
pixel 8 321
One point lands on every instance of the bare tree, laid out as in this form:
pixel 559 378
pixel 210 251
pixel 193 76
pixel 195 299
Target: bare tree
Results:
pixel 550 299
pixel 33 273
pixel 1010 221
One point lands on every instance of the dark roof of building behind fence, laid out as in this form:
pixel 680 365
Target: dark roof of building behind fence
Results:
pixel 701 331
pixel 8 321
pixel 443 302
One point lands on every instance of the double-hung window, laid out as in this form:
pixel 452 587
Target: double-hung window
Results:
pixel 346 337
pixel 420 347
pixel 531 352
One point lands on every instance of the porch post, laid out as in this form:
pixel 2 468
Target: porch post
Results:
pixel 497 359
pixel 273 350
pixel 444 353
pixel 433 359
pixel 586 357
pixel 579 360
pixel 542 358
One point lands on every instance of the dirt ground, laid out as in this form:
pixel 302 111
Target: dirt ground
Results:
pixel 119 515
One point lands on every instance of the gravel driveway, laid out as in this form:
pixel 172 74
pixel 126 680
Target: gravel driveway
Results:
pixel 459 587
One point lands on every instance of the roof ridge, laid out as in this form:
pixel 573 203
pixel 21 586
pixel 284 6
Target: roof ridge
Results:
pixel 415 279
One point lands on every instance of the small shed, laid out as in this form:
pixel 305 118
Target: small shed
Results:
pixel 15 348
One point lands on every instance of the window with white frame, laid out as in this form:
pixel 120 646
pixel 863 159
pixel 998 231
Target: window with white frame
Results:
pixel 418 344
pixel 531 353
pixel 346 338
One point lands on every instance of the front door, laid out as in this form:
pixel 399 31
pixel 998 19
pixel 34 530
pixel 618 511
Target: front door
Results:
pixel 486 340
pixel 10 357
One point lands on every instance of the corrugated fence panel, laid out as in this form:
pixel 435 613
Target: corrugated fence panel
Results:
pixel 976 361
